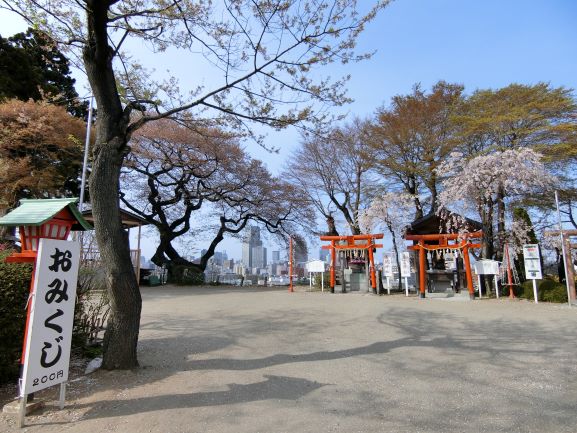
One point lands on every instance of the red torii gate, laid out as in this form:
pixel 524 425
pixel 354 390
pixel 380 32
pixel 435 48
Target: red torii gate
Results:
pixel 350 243
pixel 461 243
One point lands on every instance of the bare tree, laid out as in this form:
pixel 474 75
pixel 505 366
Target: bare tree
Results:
pixel 332 170
pixel 177 169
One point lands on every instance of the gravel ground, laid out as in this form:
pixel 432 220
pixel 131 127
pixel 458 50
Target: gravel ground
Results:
pixel 263 360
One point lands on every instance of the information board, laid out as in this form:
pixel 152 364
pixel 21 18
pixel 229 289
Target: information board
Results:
pixel 315 266
pixel 532 259
pixel 487 267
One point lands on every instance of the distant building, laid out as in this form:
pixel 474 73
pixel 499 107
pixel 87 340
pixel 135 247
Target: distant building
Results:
pixel 324 255
pixel 276 256
pixel 239 269
pixel 254 254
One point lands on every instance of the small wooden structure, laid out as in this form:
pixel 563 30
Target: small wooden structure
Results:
pixel 42 218
pixel 433 234
pixel 364 244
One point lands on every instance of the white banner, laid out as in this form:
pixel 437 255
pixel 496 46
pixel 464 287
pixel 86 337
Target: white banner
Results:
pixel 405 264
pixel 388 264
pixel 532 259
pixel 51 317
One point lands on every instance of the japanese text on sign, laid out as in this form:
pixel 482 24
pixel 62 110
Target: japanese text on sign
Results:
pixel 52 313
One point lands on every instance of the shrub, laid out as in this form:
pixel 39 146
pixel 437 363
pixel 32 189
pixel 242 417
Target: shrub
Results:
pixel 548 291
pixel 15 278
pixel 318 280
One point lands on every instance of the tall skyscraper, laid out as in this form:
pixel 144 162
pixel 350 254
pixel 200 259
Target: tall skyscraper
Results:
pixel 254 254
pixel 276 256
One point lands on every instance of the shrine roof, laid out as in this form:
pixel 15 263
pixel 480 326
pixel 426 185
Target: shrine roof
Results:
pixel 434 223
pixel 35 212
pixel 129 219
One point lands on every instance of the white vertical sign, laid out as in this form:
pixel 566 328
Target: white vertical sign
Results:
pixel 52 313
pixel 532 259
pixel 405 264
pixel 406 270
pixel 388 265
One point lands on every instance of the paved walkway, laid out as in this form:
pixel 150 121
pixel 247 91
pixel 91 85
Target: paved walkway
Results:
pixel 259 360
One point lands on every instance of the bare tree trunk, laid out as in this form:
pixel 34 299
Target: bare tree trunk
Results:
pixel 121 337
pixel 487 222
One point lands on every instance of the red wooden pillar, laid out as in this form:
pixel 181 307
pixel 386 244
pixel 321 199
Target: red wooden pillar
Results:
pixel 422 279
pixel 333 260
pixel 372 264
pixel 467 262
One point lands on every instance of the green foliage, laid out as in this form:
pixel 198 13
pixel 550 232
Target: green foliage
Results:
pixel 15 279
pixel 548 290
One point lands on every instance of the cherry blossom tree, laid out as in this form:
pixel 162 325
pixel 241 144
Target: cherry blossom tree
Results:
pixel 391 211
pixel 332 169
pixel 477 185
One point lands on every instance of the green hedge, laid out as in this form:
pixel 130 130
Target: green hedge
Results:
pixel 548 291
pixel 14 289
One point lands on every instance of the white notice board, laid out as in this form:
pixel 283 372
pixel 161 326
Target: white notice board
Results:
pixel 532 259
pixel 487 267
pixel 315 266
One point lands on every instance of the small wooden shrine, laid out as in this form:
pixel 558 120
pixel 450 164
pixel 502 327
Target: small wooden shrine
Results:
pixel 354 250
pixel 443 252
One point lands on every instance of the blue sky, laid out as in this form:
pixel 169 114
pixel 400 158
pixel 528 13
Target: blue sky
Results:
pixel 481 44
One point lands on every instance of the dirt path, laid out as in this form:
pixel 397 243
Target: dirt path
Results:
pixel 257 360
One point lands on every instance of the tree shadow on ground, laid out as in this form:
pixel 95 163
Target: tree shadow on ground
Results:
pixel 272 388
pixel 401 339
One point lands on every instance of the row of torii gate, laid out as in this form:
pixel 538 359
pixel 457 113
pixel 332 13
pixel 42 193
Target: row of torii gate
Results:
pixel 357 248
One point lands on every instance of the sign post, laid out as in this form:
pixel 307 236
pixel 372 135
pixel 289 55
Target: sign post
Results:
pixel 406 270
pixel 317 267
pixel 49 333
pixel 532 261
pixel 487 267
pixel 388 269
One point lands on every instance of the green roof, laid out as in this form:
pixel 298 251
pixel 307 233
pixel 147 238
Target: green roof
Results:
pixel 35 212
